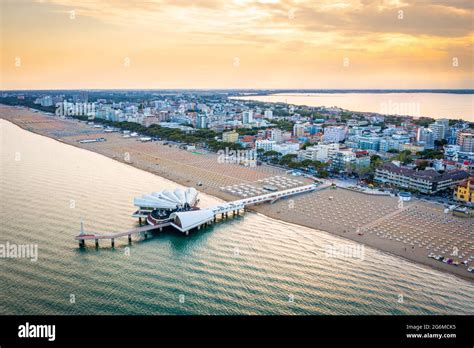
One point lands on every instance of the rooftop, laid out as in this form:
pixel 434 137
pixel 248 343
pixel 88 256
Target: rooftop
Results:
pixel 427 174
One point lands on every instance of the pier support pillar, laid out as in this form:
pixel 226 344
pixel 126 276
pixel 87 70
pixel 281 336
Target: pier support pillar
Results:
pixel 96 243
pixel 215 218
pixel 199 227
pixel 140 221
pixel 226 215
pixel 222 216
pixel 186 233
pixel 238 212
pixel 129 239
pixel 146 235
pixel 82 243
pixel 113 243
pixel 161 229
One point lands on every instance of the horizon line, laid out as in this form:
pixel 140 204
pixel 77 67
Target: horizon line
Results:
pixel 471 90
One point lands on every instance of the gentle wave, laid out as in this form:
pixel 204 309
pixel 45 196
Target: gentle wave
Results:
pixel 279 268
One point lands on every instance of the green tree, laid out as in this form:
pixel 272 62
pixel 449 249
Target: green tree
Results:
pixel 272 153
pixel 323 173
pixel 422 165
pixel 430 154
pixel 287 159
pixel 404 157
pixel 363 172
pixel 423 121
pixel 284 124
pixel 375 161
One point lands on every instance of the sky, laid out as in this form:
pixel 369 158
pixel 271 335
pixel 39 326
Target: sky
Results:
pixel 71 44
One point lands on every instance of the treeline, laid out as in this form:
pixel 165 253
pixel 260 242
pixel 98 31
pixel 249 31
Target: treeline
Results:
pixel 283 124
pixel 198 136
pixel 320 169
pixel 28 102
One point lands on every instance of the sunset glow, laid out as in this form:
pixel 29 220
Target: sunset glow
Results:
pixel 236 44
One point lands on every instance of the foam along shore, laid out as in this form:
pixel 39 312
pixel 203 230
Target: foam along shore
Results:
pixel 413 232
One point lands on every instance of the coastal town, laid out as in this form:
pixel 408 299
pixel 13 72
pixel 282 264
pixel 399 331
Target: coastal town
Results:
pixel 400 184
pixel 426 157
pixel 290 172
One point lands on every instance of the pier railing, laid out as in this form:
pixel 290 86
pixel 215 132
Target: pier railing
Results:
pixel 223 209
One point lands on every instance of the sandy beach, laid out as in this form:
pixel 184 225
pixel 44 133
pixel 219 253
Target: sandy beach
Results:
pixel 412 230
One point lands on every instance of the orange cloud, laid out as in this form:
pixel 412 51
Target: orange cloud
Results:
pixel 279 44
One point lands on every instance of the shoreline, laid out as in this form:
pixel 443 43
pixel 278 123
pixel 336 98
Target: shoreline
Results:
pixel 175 172
pixel 267 98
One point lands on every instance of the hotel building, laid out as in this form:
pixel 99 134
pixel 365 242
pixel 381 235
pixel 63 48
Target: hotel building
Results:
pixel 335 134
pixel 266 145
pixel 425 181
pixel 341 159
pixel 320 152
pixel 465 139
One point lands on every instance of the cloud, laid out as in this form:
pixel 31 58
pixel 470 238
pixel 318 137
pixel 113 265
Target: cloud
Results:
pixel 275 39
pixel 296 18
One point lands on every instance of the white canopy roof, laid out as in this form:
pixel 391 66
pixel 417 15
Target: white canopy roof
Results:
pixel 193 218
pixel 167 199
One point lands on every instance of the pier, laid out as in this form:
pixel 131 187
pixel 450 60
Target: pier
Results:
pixel 184 221
pixel 82 237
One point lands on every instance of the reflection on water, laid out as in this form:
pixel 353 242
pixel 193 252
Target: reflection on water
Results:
pixel 249 265
pixel 435 105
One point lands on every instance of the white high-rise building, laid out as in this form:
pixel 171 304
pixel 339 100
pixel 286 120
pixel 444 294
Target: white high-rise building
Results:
pixel 247 117
pixel 268 114
pixel 266 145
pixel 444 121
pixel 276 135
pixel 201 121
pixel 335 134
pixel 439 130
pixel 298 130
pixel 425 136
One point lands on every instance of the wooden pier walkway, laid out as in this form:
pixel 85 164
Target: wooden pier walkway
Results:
pixel 82 237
